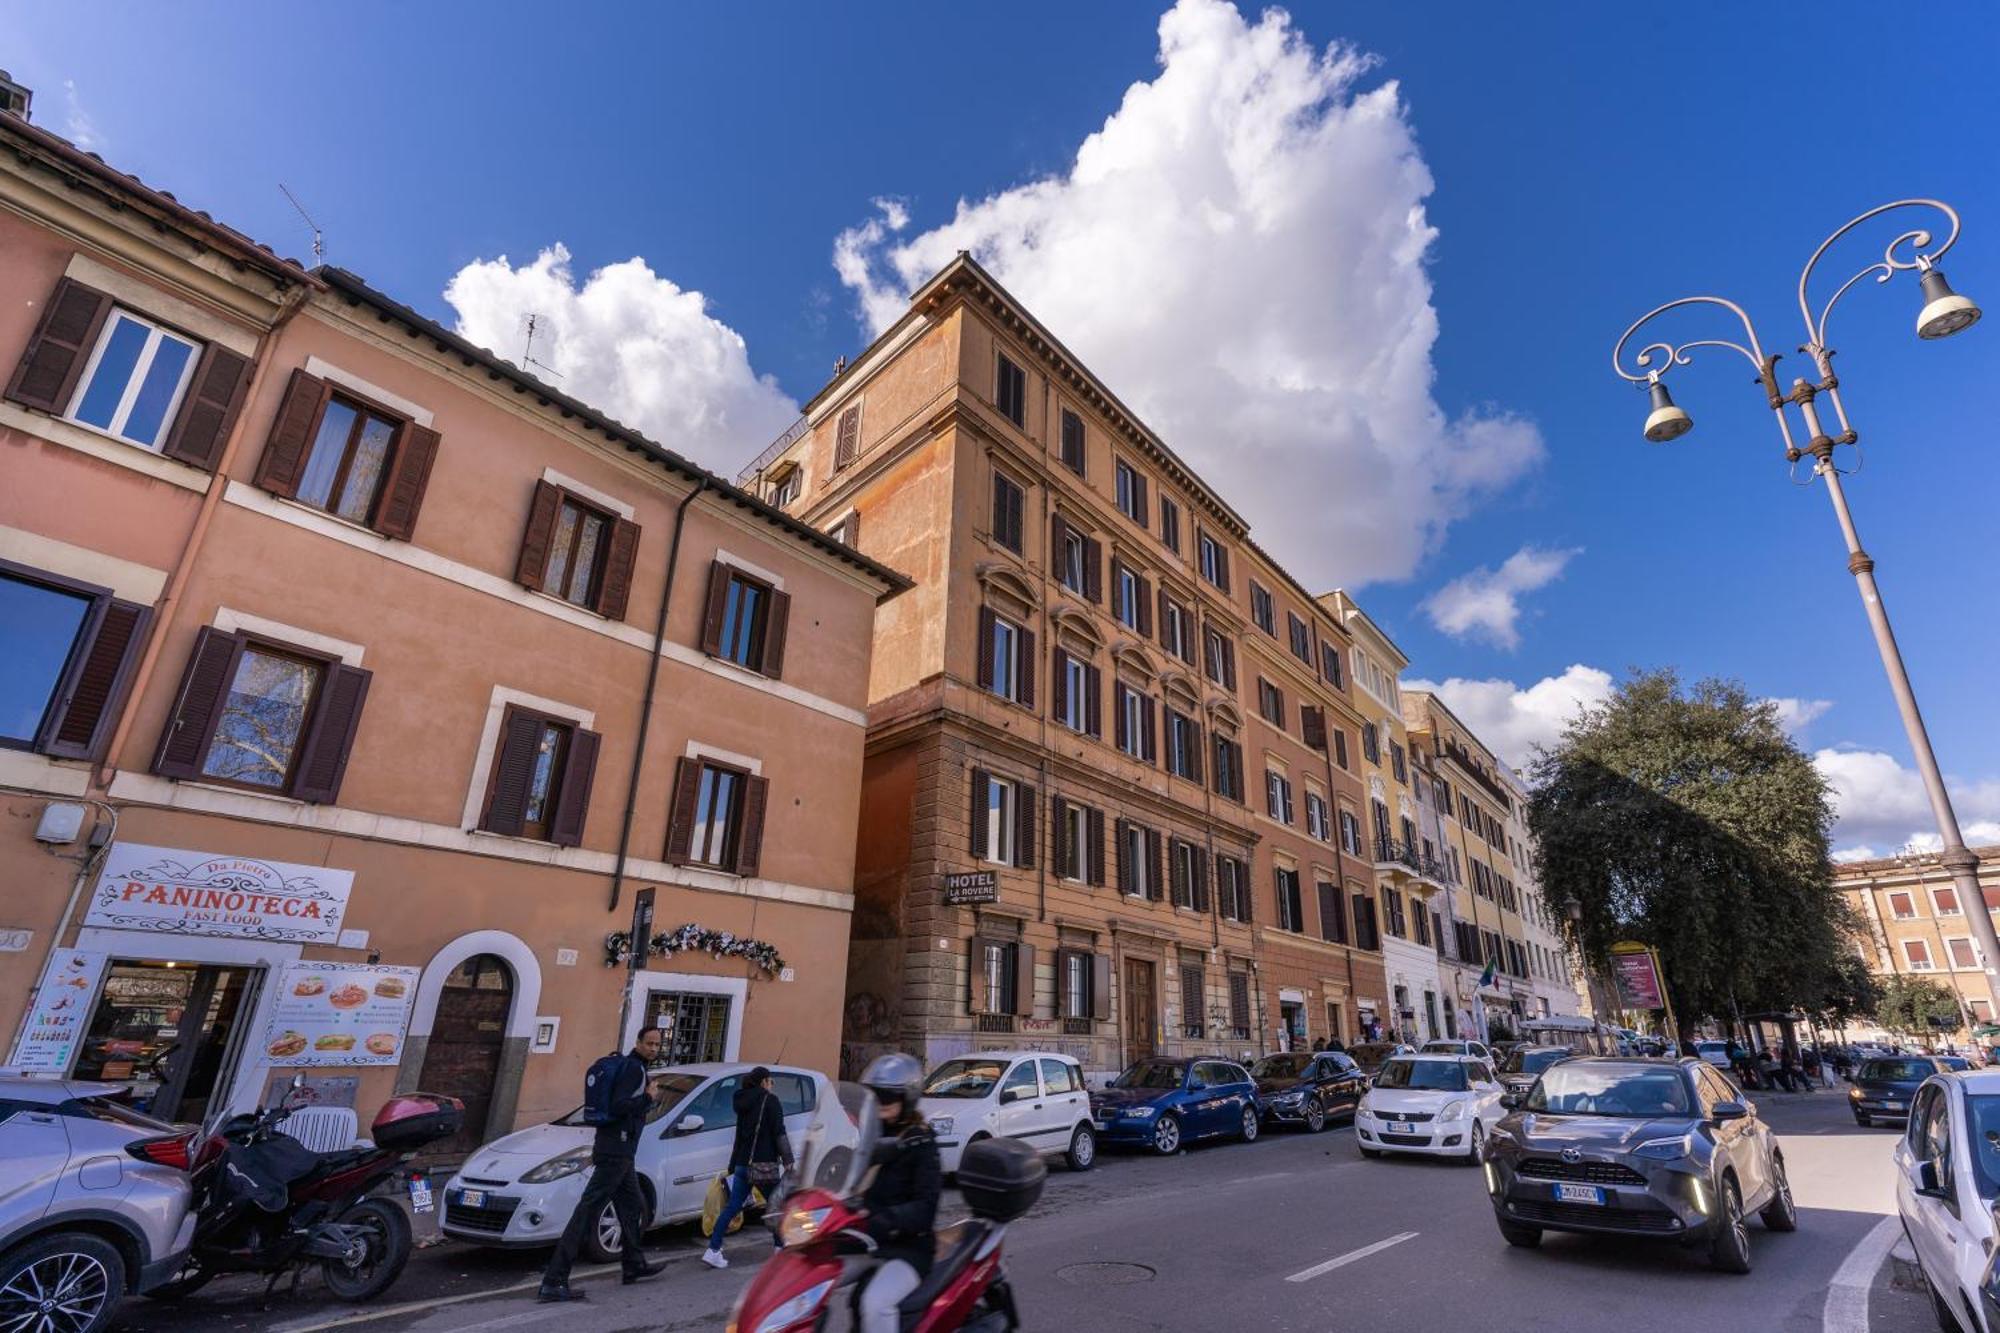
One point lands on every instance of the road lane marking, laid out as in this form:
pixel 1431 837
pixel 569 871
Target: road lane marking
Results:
pixel 1342 1261
pixel 1846 1309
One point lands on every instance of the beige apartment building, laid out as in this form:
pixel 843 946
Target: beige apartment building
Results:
pixel 1913 924
pixel 1109 739
pixel 357 684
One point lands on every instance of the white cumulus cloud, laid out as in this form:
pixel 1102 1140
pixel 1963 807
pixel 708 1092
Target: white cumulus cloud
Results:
pixel 1486 602
pixel 1882 809
pixel 1239 252
pixel 1511 720
pixel 1795 715
pixel 632 344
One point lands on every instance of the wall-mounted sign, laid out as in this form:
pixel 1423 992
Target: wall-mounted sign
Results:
pixel 1635 970
pixel 15 941
pixel 62 1008
pixel 173 892
pixel 339 1014
pixel 973 886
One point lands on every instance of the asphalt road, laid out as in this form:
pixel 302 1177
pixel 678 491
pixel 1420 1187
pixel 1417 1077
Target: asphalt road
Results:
pixel 1292 1232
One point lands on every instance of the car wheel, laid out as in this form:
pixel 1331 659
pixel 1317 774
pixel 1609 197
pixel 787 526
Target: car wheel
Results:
pixel 1516 1234
pixel 1780 1214
pixel 1167 1135
pixel 1082 1153
pixel 1250 1124
pixel 1315 1116
pixel 66 1283
pixel 605 1242
pixel 1476 1141
pixel 1864 1121
pixel 1729 1247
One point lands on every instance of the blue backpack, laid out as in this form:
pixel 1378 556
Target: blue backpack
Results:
pixel 600 1087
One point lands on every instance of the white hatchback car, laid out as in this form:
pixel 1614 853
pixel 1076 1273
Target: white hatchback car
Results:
pixel 521 1188
pixel 1034 1096
pixel 1947 1178
pixel 1457 1046
pixel 1439 1105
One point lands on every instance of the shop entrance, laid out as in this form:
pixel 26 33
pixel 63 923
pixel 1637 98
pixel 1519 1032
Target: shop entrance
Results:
pixel 1139 1011
pixel 468 1036
pixel 1292 1017
pixel 171 1031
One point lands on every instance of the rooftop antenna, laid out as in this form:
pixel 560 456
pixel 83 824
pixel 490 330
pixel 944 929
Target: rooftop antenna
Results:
pixel 533 323
pixel 319 245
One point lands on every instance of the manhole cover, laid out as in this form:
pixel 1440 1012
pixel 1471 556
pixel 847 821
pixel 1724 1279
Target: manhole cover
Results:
pixel 1105 1275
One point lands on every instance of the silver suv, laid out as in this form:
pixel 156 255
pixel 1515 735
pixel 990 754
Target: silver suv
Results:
pixel 83 1222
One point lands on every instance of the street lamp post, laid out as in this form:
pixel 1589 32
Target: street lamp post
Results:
pixel 1944 312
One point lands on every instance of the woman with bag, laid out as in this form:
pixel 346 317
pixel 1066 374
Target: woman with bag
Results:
pixel 759 1158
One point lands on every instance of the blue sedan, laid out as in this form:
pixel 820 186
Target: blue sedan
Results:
pixel 1884 1087
pixel 1163 1104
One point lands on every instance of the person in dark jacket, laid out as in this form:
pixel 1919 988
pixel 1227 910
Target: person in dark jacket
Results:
pixel 761 1145
pixel 902 1200
pixel 613 1177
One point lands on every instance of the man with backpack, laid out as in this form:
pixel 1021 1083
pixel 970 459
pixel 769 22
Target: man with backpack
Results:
pixel 616 1097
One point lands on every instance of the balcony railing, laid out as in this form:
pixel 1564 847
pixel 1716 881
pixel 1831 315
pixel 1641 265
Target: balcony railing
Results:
pixel 1410 858
pixel 771 452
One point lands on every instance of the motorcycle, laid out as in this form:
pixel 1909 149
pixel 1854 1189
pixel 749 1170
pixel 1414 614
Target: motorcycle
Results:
pixel 826 1247
pixel 265 1203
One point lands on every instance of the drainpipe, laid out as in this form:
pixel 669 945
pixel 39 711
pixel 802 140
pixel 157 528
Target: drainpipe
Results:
pixel 211 500
pixel 646 709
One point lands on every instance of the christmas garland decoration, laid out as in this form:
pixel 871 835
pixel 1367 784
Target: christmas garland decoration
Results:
pixel 714 943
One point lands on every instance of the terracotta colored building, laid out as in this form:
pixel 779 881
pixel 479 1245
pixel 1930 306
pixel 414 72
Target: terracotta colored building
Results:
pixel 357 682
pixel 1107 735
pixel 1913 924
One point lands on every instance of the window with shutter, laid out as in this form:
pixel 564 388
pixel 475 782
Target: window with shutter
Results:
pixel 1332 921
pixel 70 648
pixel 1010 393
pixel 1194 1002
pixel 712 816
pixel 122 373
pixel 1170 525
pixel 1072 442
pixel 847 437
pixel 1007 507
pixel 542 772
pixel 746 620
pixel 209 411
pixel 63 341
pixel 1239 1005
pixel 1262 610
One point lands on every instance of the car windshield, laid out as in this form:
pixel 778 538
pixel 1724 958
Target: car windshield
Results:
pixel 1897 1071
pixel 1519 1061
pixel 1371 1053
pixel 1153 1075
pixel 1423 1075
pixel 1293 1064
pixel 1984 1132
pixel 1576 1088
pixel 676 1089
pixel 968 1079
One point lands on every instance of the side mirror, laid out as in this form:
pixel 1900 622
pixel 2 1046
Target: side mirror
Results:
pixel 1928 1183
pixel 689 1124
pixel 1008 1096
pixel 1729 1111
pixel 1512 1101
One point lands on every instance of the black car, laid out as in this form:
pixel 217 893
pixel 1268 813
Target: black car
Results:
pixel 1637 1147
pixel 1521 1066
pixel 1884 1086
pixel 1308 1088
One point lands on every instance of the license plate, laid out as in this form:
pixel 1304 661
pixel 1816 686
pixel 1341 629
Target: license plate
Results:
pixel 472 1198
pixel 1579 1194
pixel 1892 1106
pixel 420 1194
pixel 1397 1128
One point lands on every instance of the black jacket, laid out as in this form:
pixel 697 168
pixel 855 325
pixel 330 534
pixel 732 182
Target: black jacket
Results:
pixel 760 1128
pixel 630 1100
pixel 902 1200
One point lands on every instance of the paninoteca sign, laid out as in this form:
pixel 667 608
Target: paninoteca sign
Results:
pixel 172 892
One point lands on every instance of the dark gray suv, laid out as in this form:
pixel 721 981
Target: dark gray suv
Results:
pixel 1637 1147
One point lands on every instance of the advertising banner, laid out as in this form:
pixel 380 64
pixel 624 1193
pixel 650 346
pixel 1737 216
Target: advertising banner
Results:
pixel 346 1014
pixel 62 1010
pixel 197 893
pixel 1636 973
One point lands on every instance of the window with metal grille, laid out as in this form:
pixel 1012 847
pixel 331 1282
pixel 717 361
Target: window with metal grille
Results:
pixel 694 1026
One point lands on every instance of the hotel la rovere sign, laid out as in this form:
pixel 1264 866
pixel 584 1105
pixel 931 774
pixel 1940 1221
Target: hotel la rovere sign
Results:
pixel 170 892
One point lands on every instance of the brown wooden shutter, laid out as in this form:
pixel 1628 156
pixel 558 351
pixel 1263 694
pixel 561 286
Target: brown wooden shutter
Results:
pixel 1312 726
pixel 1229 664
pixel 1165 601
pixel 198 704
pixel 1197 764
pixel 322 758
pixel 1093 825
pixel 1100 986
pixel 284 458
pixel 531 567
pixel 1144 514
pixel 977 827
pixel 777 624
pixel 1026 662
pixel 54 360
pixel 1222 564
pixel 976 999
pixel 1058 541
pixel 615 589
pixel 1056 807
pixel 91 694
pixel 750 837
pixel 1058 684
pixel 1119 729
pixel 1093 701
pixel 1156 879
pixel 213 400
pixel 1239 1001
pixel 409 473
pixel 1177 871
pixel 717 606
pixel 1024 980
pixel 847 438
pixel 1149 739
pixel 1340 746
pixel 1242 873
pixel 1093 571
pixel 1145 607
pixel 1200 864
pixel 572 795
pixel 1025 798
pixel 680 814
pixel 986 619
pixel 1332 924
pixel 1125 867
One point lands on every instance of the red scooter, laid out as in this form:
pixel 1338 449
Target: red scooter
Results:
pixel 265 1203
pixel 827 1248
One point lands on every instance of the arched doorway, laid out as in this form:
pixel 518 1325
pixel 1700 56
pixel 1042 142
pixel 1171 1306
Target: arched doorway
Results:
pixel 468 1037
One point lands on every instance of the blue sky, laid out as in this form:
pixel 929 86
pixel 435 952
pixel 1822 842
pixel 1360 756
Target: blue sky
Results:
pixel 1585 162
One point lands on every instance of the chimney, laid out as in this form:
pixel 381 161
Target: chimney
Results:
pixel 14 99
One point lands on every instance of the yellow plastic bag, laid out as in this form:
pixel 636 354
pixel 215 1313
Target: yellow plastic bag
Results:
pixel 718 1198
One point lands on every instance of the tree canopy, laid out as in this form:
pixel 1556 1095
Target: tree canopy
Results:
pixel 1915 1007
pixel 1687 819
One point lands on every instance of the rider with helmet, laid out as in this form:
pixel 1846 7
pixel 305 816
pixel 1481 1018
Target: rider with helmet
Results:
pixel 902 1199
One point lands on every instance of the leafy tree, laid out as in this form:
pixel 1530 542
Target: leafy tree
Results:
pixel 1851 992
pixel 1687 819
pixel 1915 1007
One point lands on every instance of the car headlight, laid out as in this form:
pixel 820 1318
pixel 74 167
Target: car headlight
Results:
pixel 565 1164
pixel 802 1226
pixel 942 1124
pixel 1292 1098
pixel 1143 1112
pixel 797 1308
pixel 1663 1150
pixel 1453 1111
pixel 1854 1094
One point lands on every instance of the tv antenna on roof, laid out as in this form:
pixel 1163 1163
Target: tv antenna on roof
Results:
pixel 319 246
pixel 533 322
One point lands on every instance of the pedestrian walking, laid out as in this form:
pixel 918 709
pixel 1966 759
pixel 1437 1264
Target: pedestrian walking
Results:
pixel 616 1098
pixel 761 1156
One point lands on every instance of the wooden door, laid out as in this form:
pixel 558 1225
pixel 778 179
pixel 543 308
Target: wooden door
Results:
pixel 467 1036
pixel 1140 1016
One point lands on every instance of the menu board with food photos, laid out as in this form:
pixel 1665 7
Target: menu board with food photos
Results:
pixel 339 1014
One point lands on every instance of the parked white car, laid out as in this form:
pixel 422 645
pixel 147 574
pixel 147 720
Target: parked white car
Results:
pixel 1947 1177
pixel 1715 1052
pixel 521 1188
pixel 1457 1046
pixel 1033 1096
pixel 1438 1105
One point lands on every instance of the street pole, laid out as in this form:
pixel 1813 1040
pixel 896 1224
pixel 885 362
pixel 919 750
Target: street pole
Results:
pixel 1944 313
